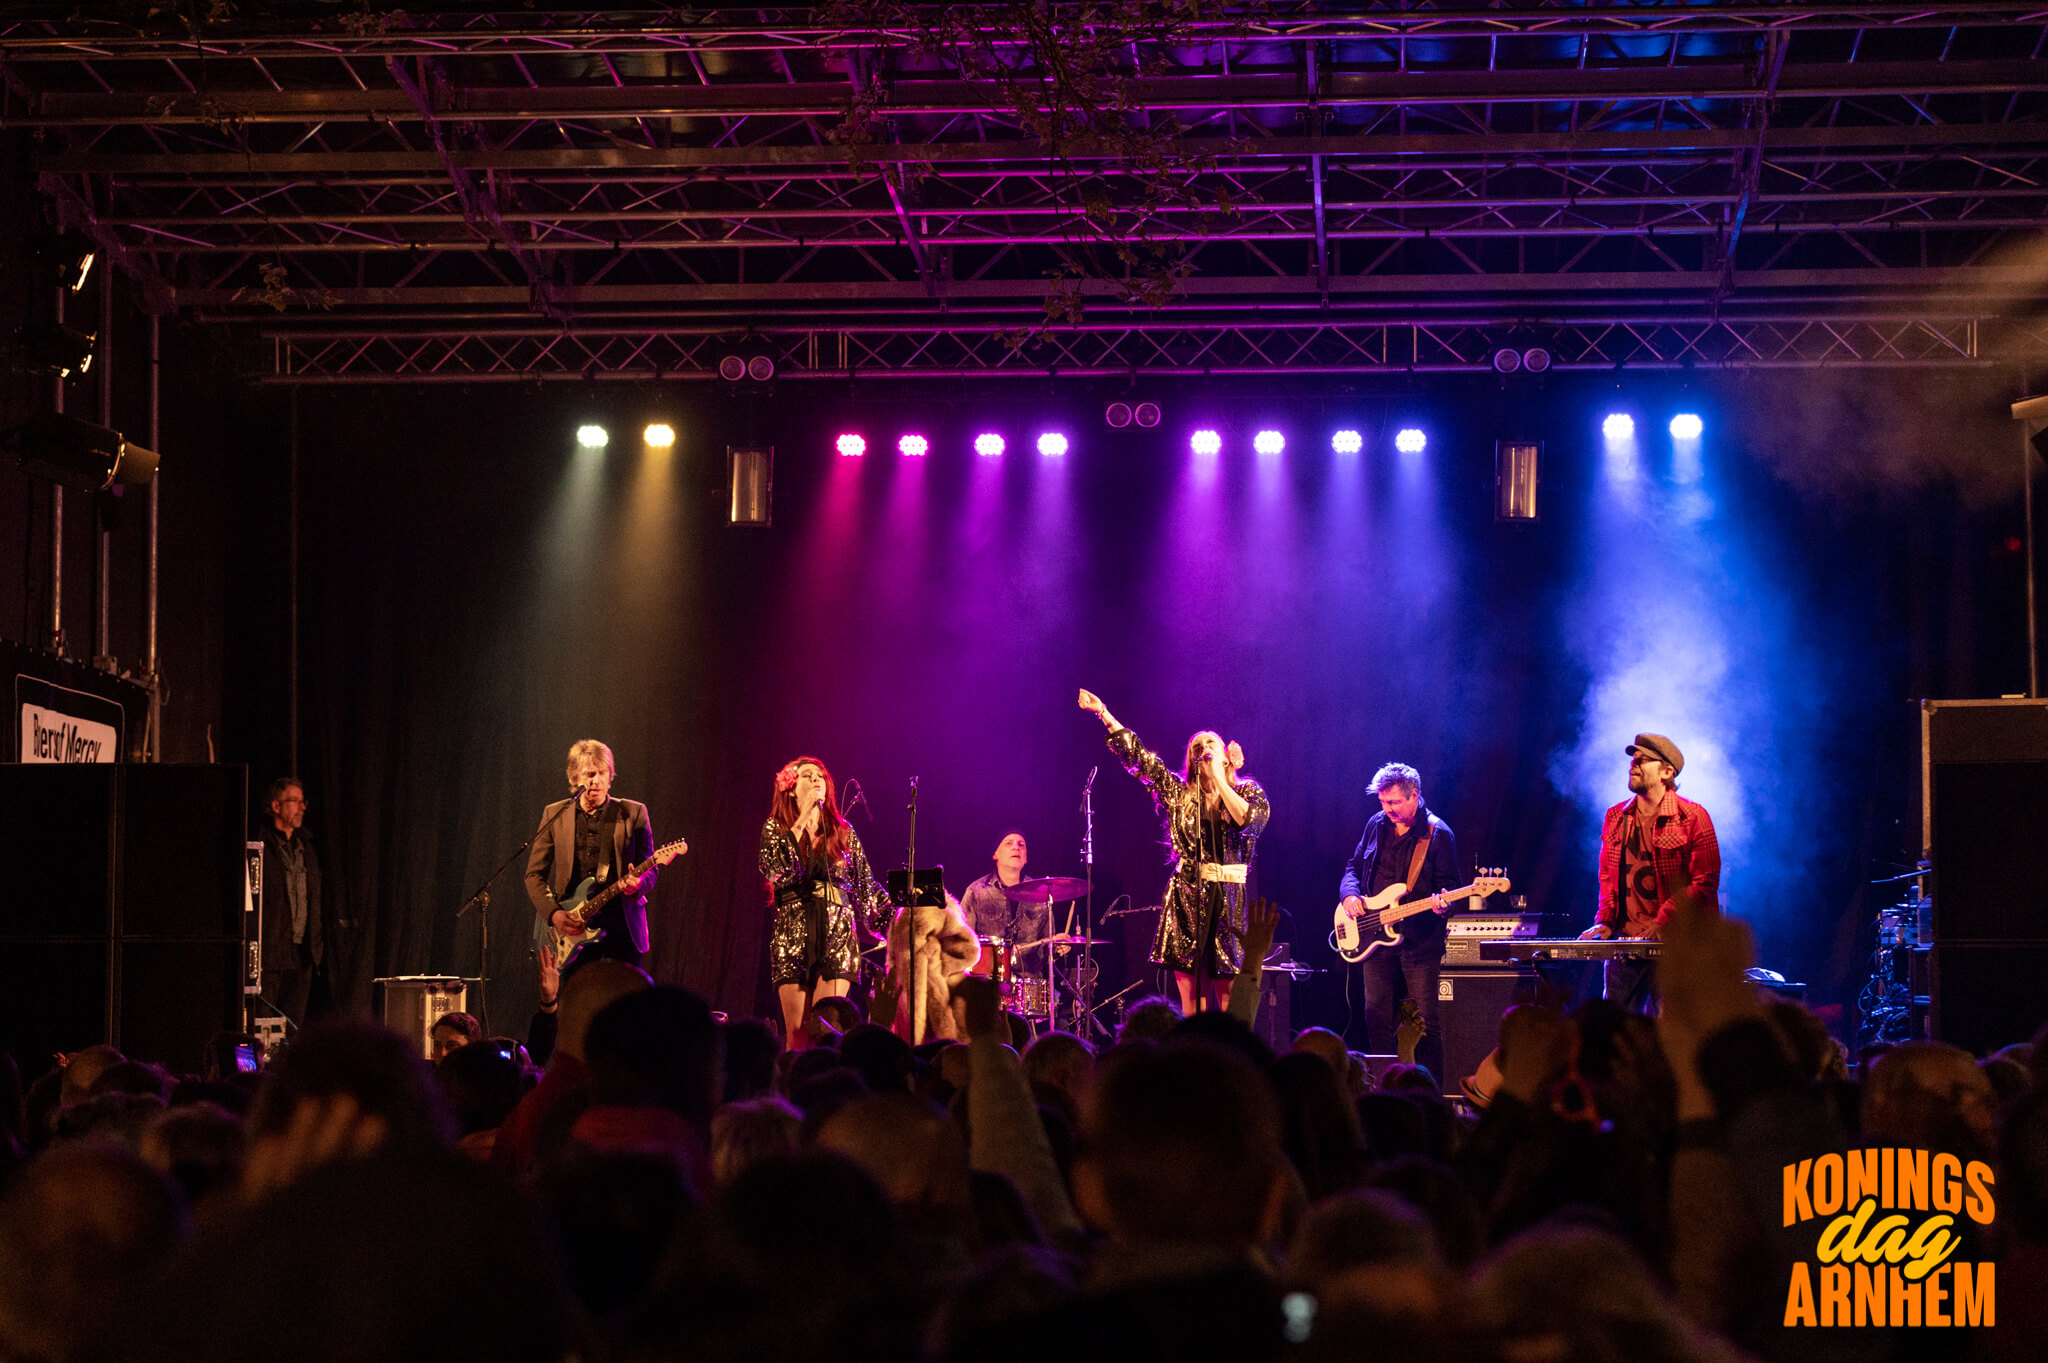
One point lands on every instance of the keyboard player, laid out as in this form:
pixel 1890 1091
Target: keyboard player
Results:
pixel 1651 845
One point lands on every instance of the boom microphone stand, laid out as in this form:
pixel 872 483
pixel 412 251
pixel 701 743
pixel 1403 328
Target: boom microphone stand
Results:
pixel 481 902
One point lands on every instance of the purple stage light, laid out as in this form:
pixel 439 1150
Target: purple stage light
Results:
pixel 1208 444
pixel 1052 443
pixel 1411 441
pixel 1146 414
pixel 1269 442
pixel 851 445
pixel 988 444
pixel 915 446
pixel 1347 442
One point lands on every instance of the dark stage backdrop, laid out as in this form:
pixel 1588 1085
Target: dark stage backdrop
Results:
pixel 477 593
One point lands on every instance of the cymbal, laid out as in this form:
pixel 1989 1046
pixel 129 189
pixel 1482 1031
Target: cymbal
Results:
pixel 1045 889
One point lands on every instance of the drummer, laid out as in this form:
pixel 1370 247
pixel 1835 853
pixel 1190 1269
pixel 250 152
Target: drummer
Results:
pixel 991 913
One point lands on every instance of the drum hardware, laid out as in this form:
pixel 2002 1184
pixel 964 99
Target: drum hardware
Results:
pixel 1046 890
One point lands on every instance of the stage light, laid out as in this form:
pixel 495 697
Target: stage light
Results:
pixel 63 449
pixel 732 368
pixel 1146 414
pixel 592 437
pixel 1052 442
pixel 53 348
pixel 67 258
pixel 1507 360
pixel 915 446
pixel 1269 442
pixel 1686 426
pixel 1514 479
pixel 761 369
pixel 988 444
pixel 1618 426
pixel 851 446
pixel 1410 441
pixel 1347 442
pixel 751 482
pixel 1117 415
pixel 1208 444
pixel 1536 359
pixel 661 435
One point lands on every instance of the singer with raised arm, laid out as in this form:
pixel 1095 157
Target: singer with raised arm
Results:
pixel 819 878
pixel 593 834
pixel 1213 816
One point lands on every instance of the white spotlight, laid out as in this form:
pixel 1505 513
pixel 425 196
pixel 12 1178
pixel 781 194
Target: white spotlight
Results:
pixel 1347 442
pixel 1618 426
pixel 988 444
pixel 1686 426
pixel 1269 442
pixel 1053 443
pixel 591 437
pixel 1206 443
pixel 1410 441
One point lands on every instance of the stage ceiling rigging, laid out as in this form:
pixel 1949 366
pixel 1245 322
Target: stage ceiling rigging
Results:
pixel 445 194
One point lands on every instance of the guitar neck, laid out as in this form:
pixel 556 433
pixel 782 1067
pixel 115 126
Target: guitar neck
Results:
pixel 1429 902
pixel 611 891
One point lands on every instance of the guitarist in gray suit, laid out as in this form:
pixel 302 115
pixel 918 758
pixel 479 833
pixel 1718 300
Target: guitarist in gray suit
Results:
pixel 593 834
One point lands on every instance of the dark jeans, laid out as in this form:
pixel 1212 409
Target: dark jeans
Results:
pixel 1386 972
pixel 1633 985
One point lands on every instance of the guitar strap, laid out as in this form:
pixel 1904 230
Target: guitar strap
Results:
pixel 1421 851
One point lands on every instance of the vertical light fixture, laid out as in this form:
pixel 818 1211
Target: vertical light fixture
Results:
pixel 751 473
pixel 1514 479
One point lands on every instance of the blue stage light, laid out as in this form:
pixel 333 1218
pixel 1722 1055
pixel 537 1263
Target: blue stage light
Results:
pixel 1618 426
pixel 1347 442
pixel 1686 426
pixel 1411 441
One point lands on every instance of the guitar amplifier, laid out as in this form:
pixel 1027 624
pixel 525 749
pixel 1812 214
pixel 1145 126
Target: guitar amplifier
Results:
pixel 1464 932
pixel 413 1002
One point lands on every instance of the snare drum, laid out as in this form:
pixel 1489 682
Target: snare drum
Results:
pixel 1027 996
pixel 994 962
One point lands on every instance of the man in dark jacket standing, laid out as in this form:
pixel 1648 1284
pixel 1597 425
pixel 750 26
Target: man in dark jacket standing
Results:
pixel 1403 844
pixel 294 934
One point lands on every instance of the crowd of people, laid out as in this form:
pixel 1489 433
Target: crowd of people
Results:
pixel 670 1185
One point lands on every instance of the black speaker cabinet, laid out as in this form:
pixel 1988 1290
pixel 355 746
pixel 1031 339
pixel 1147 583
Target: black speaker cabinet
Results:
pixel 1984 813
pixel 1469 1004
pixel 125 922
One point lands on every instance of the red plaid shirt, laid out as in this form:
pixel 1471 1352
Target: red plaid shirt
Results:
pixel 1683 851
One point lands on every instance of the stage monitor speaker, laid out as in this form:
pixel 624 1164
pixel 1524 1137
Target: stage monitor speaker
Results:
pixel 126 926
pixel 412 1002
pixel 1985 995
pixel 1469 1004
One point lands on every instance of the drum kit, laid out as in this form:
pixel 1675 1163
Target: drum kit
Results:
pixel 1035 994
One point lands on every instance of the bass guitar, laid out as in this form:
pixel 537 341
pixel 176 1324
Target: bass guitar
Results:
pixel 1355 936
pixel 586 899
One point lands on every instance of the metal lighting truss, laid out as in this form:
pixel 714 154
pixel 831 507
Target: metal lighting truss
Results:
pixel 473 194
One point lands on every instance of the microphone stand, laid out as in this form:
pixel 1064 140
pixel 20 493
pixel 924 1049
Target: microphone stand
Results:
pixel 481 902
pixel 916 983
pixel 1085 998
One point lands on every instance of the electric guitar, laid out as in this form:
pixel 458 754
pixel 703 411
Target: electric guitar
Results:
pixel 1355 937
pixel 586 899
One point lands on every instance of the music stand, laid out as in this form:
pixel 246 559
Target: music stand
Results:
pixel 930 888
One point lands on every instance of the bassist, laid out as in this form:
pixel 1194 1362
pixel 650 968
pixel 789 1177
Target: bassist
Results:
pixel 593 833
pixel 1403 843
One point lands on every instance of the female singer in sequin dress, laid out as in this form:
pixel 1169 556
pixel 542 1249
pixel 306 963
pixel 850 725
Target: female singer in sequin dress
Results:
pixel 819 877
pixel 1213 819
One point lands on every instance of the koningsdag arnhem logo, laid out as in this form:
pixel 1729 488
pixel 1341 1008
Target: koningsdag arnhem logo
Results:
pixel 1887 1254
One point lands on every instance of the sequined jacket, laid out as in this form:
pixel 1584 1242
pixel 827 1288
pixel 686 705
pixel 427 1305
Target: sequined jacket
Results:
pixel 845 892
pixel 1189 899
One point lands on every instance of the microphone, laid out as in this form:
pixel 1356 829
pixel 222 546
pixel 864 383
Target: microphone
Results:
pixel 1091 778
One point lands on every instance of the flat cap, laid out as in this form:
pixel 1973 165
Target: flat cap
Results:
pixel 1659 747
